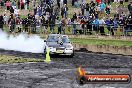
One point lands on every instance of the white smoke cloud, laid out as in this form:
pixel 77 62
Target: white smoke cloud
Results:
pixel 21 42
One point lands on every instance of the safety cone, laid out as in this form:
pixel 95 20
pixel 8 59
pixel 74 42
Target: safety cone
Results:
pixel 47 60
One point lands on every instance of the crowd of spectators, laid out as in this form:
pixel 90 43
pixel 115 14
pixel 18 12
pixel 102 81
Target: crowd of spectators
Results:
pixel 93 17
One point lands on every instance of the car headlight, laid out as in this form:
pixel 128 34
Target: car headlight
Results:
pixel 69 47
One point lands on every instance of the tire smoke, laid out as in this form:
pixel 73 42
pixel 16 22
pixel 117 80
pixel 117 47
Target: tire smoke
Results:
pixel 22 42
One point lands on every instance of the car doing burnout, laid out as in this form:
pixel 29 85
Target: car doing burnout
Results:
pixel 59 44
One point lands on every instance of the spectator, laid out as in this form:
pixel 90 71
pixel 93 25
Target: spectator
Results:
pixel 74 27
pixel 11 10
pixel 1 22
pixel 111 26
pixel 5 17
pixel 18 4
pixel 65 2
pixel 128 25
pixel 87 9
pixel 65 11
pixel 102 8
pixel 18 24
pixel 12 25
pixel 115 26
pixel 38 25
pixel 27 3
pixel 107 22
pixel 76 4
pixel 96 25
pixel 62 12
pixel 109 2
pixel 45 24
pixel 83 8
pixel 2 3
pixel 121 2
pixel 73 1
pixel 101 26
pixel 33 25
pixel 58 3
pixel 69 24
pixel 14 4
pixel 63 24
pixel 107 10
pixel 58 21
pixel 52 22
pixel 22 5
pixel 8 4
pixel 130 7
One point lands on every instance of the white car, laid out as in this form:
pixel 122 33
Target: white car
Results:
pixel 59 44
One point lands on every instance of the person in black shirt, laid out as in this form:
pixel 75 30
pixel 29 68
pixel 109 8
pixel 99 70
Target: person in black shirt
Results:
pixel 18 4
pixel 74 16
pixel 11 10
pixel 58 3
pixel 111 26
pixel 1 22
pixel 87 9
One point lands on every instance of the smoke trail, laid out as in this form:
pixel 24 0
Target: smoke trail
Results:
pixel 21 42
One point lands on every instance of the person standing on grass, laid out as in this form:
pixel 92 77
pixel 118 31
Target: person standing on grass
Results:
pixel 101 26
pixel 58 3
pixel 51 24
pixel 14 4
pixel 5 17
pixel 69 24
pixel 83 8
pixel 115 23
pixel 107 22
pixel 107 10
pixel 11 10
pixel 96 25
pixel 18 24
pixel 8 4
pixel 74 27
pixel 74 16
pixel 27 3
pixel 18 4
pixel 44 24
pixel 130 8
pixel 102 8
pixel 12 25
pixel 63 24
pixel 1 3
pixel 38 24
pixel 58 22
pixel 87 9
pixel 65 11
pixel 22 5
pixel 1 22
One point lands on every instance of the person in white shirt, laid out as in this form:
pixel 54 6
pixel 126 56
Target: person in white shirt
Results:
pixel 5 17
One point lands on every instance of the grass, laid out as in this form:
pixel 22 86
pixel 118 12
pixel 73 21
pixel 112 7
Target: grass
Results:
pixel 13 59
pixel 101 42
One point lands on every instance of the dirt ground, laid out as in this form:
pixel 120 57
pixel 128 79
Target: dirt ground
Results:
pixel 60 73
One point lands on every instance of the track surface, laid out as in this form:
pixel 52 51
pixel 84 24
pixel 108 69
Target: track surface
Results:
pixel 60 73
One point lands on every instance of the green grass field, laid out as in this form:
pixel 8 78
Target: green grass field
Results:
pixel 13 59
pixel 101 42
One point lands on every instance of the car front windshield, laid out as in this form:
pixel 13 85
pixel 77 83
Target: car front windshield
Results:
pixel 63 39
pixel 52 39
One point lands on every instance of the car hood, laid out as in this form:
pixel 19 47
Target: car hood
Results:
pixel 56 45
